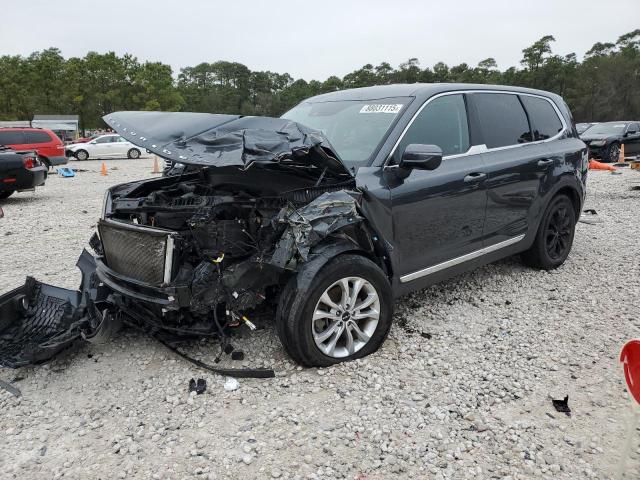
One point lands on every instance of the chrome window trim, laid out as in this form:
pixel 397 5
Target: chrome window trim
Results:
pixel 458 260
pixel 480 148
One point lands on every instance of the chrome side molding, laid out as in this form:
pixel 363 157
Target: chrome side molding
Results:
pixel 458 260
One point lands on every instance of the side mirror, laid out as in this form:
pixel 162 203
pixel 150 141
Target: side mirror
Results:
pixel 421 157
pixel 630 132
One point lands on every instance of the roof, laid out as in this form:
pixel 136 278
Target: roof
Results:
pixel 423 90
pixel 58 118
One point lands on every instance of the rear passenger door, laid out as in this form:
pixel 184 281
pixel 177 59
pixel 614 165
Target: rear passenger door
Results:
pixel 12 137
pixel 517 161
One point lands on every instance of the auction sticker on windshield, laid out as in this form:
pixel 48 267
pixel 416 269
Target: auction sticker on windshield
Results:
pixel 381 108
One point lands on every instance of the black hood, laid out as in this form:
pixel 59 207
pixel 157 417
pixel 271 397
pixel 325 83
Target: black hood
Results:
pixel 207 139
pixel 601 136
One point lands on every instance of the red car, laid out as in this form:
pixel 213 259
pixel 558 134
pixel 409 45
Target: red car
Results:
pixel 49 147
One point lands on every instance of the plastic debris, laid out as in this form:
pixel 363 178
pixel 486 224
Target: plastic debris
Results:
pixel 231 384
pixel 66 172
pixel 10 388
pixel 199 386
pixel 562 406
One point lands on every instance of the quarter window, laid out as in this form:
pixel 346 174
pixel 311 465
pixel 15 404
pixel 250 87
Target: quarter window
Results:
pixel 443 122
pixel 502 119
pixel 543 117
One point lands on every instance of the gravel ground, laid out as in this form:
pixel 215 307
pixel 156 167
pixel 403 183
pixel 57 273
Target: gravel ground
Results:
pixel 461 389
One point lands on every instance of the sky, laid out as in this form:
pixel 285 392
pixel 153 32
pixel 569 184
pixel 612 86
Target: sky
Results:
pixel 313 40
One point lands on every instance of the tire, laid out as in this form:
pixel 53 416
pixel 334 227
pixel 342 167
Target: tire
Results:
pixel 555 235
pixel 302 337
pixel 4 195
pixel 133 153
pixel 45 163
pixel 613 153
pixel 81 155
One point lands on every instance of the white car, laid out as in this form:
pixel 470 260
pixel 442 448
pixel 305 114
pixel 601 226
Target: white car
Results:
pixel 104 146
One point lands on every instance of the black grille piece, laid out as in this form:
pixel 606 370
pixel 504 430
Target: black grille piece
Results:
pixel 135 252
pixel 47 326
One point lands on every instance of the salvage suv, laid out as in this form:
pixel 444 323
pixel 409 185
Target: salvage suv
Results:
pixel 327 214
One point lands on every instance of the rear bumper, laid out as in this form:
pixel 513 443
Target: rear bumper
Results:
pixel 58 160
pixel 23 179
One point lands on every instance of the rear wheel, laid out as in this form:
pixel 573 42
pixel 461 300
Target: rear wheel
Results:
pixel 555 235
pixel 82 155
pixel 133 153
pixel 4 195
pixel 45 162
pixel 344 314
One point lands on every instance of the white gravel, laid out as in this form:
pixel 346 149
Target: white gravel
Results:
pixel 461 389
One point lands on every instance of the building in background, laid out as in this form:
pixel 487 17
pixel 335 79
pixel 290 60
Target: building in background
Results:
pixel 65 126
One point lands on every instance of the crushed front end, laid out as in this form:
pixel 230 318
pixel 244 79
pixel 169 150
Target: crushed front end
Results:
pixel 194 254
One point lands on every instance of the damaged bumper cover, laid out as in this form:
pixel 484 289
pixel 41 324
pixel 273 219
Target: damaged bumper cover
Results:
pixel 37 320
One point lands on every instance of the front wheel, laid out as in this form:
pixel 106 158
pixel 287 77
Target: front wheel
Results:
pixel 133 153
pixel 82 155
pixel 613 153
pixel 555 235
pixel 344 313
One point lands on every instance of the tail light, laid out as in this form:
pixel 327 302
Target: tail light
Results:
pixel 29 162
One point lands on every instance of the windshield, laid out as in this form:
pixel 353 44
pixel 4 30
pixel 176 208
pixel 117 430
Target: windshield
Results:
pixel 607 129
pixel 353 127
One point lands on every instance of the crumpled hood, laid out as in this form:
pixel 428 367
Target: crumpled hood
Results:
pixel 208 139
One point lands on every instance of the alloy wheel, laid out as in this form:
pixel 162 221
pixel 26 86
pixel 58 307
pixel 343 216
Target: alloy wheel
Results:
pixel 558 233
pixel 614 153
pixel 345 317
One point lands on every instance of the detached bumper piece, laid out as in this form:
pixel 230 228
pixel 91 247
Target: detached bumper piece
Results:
pixel 37 321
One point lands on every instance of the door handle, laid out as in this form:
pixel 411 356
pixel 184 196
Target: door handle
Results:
pixel 545 163
pixel 475 177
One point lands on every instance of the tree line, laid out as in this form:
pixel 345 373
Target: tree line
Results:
pixel 605 85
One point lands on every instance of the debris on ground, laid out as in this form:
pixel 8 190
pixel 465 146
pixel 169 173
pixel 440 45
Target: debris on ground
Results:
pixel 591 218
pixel 562 406
pixel 66 172
pixel 231 384
pixel 199 386
pixel 10 388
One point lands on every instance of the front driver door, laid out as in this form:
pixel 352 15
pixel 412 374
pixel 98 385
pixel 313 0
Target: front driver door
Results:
pixel 632 140
pixel 437 215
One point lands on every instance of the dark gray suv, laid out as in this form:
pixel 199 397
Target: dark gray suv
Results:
pixel 326 215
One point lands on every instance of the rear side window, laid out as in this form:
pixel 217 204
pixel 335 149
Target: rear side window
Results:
pixel 544 119
pixel 503 121
pixel 443 122
pixel 37 137
pixel 11 138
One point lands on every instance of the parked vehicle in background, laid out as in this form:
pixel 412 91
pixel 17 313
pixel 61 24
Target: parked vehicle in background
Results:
pixel 19 171
pixel 86 139
pixel 350 200
pixel 582 127
pixel 604 140
pixel 47 144
pixel 104 146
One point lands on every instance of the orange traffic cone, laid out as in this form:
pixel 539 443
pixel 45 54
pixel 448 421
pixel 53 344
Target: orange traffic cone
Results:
pixel 103 169
pixel 595 165
pixel 621 157
pixel 156 168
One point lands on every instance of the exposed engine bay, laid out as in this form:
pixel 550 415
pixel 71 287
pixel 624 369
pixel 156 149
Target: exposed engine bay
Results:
pixel 191 255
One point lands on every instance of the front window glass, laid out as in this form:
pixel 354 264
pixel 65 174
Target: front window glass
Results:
pixel 607 129
pixel 353 127
pixel 443 122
